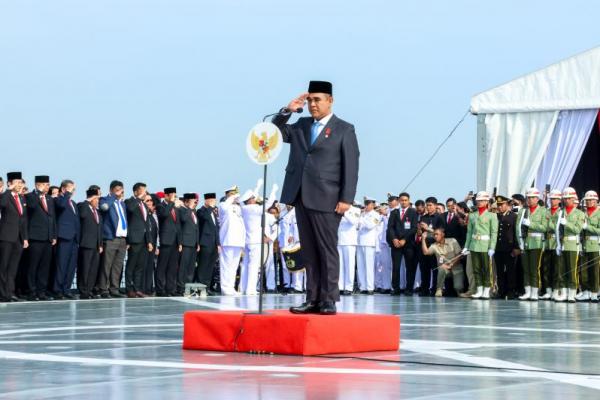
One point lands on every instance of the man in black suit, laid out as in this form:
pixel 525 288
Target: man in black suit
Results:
pixel 170 243
pixel 320 181
pixel 507 250
pixel 151 201
pixel 138 240
pixel 41 218
pixel 401 230
pixel 13 235
pixel 189 241
pixel 90 244
pixel 68 227
pixel 208 232
pixel 452 225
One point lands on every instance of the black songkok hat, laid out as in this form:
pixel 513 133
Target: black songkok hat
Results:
pixel 42 179
pixel 170 190
pixel 13 175
pixel 320 87
pixel 208 196
pixel 189 196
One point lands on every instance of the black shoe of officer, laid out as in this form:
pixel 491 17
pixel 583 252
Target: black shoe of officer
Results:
pixel 327 308
pixel 309 307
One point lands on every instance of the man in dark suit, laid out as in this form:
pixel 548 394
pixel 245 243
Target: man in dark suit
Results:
pixel 68 227
pixel 320 181
pixel 13 235
pixel 151 201
pixel 189 241
pixel 401 230
pixel 41 218
pixel 138 240
pixel 208 231
pixel 170 243
pixel 114 232
pixel 90 244
pixel 452 226
pixel 507 250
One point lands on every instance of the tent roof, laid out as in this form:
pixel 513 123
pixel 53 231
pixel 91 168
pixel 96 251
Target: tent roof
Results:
pixel 570 84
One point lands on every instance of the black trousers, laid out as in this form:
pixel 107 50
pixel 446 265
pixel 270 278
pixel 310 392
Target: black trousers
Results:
pixel 166 270
pixel 10 256
pixel 136 264
pixel 318 237
pixel 506 273
pixel 38 269
pixel 207 260
pixel 187 267
pixel 149 272
pixel 410 260
pixel 428 267
pixel 87 270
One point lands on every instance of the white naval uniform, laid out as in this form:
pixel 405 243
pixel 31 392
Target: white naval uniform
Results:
pixel 288 234
pixel 383 258
pixel 347 242
pixel 367 241
pixel 232 235
pixel 271 232
pixel 252 215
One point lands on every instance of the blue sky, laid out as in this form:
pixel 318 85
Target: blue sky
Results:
pixel 166 91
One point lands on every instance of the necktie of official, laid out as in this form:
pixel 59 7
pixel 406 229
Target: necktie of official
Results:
pixel 194 216
pixel 143 210
pixel 18 204
pixel 95 215
pixel 121 215
pixel 173 215
pixel 450 217
pixel 314 132
pixel 402 214
pixel 44 204
pixel 72 207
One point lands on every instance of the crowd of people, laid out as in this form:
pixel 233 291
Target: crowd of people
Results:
pixel 539 246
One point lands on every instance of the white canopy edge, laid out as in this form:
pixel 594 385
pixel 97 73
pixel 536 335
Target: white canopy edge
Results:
pixel 570 84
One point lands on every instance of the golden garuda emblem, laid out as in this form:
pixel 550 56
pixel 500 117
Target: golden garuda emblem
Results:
pixel 262 145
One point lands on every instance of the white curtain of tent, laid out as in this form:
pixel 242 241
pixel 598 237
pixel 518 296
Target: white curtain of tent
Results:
pixel 566 146
pixel 515 145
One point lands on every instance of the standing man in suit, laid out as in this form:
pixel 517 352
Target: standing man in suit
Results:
pixel 208 232
pixel 114 231
pixel 13 235
pixel 401 230
pixel 452 226
pixel 320 181
pixel 170 243
pixel 151 201
pixel 90 244
pixel 189 241
pixel 138 240
pixel 41 218
pixel 507 249
pixel 68 227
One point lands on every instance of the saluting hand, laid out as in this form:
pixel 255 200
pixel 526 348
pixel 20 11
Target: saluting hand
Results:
pixel 298 102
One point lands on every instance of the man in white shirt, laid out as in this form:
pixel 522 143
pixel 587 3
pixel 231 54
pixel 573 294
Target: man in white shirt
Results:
pixel 232 235
pixel 347 242
pixel 367 241
pixel 252 215
pixel 383 258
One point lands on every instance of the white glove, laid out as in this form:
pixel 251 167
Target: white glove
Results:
pixel 563 221
pixel 491 253
pixel 464 251
pixel 558 252
pixel 526 222
pixel 585 225
pixel 259 182
pixel 275 188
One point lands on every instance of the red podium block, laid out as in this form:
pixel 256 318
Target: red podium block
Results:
pixel 282 332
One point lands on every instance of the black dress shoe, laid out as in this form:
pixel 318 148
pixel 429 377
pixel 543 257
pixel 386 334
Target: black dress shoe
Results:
pixel 45 297
pixel 117 295
pixel 327 308
pixel 408 292
pixel 15 299
pixel 310 307
pixel 33 298
pixel 105 296
pixel 395 292
pixel 364 292
pixel 69 296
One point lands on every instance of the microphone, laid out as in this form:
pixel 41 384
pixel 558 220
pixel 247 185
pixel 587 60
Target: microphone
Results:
pixel 284 110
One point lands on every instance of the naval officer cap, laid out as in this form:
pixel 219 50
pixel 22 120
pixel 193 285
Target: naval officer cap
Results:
pixel 248 194
pixel 368 200
pixel 13 175
pixel 391 197
pixel 234 188
pixel 320 87
pixel 502 199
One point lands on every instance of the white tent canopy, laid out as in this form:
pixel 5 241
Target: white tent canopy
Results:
pixel 517 122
